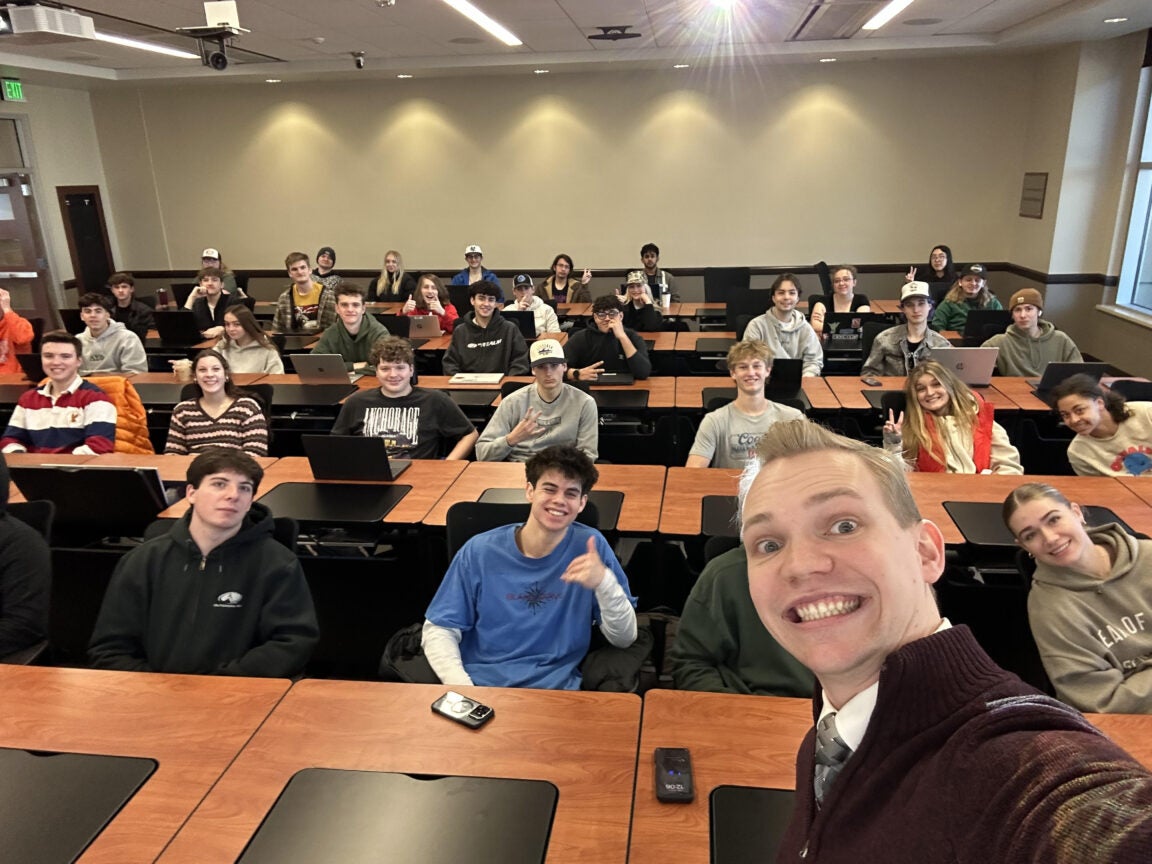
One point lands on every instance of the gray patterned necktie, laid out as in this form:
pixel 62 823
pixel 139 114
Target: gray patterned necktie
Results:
pixel 831 754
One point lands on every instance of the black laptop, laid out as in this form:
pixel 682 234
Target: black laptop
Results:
pixel 746 824
pixel 982 324
pixel 73 323
pixel 53 805
pixel 982 522
pixel 526 321
pixel 399 325
pixel 357 817
pixel 718 516
pixel 844 330
pixel 607 502
pixel 786 379
pixel 615 379
pixel 352 457
pixel 177 328
pixel 1056 372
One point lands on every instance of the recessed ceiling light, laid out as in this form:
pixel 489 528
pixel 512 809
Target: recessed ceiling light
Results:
pixel 271 80
pixel 827 59
pixel 680 66
pixel 144 46
pixel 723 4
pixel 920 22
pixel 1115 20
pixel 402 75
pixel 886 14
pixel 495 28
pixel 539 71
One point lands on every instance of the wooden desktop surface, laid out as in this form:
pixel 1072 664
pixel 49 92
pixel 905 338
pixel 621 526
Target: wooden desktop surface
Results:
pixel 241 379
pixel 429 479
pixel 849 390
pixel 1141 486
pixel 1020 391
pixel 690 389
pixel 642 485
pixel 665 340
pixel 698 310
pixel 749 741
pixel 683 491
pixel 192 725
pixel 584 743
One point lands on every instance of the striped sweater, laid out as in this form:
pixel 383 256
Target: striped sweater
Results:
pixel 242 426
pixel 80 420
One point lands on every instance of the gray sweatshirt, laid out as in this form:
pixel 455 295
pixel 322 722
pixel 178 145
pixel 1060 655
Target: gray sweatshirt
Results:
pixel 794 339
pixel 117 349
pixel 570 419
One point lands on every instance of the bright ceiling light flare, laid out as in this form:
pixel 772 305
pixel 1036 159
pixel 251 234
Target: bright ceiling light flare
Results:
pixel 145 46
pixel 491 26
pixel 723 4
pixel 1115 20
pixel 894 8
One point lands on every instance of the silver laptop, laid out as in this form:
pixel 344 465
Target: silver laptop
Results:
pixel 323 369
pixel 423 327
pixel 973 366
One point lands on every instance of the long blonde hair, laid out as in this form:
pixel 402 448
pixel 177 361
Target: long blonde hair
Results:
pixel 956 294
pixel 386 281
pixel 962 405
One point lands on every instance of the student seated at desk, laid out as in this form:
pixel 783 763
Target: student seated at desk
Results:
pixel 216 595
pixel 640 312
pixel 25 579
pixel 842 299
pixel 525 300
pixel 484 340
pixel 475 271
pixel 562 287
pixel 661 282
pixel 924 750
pixel 517 605
pixel 785 328
pixel 354 332
pixel 1029 344
pixel 1090 604
pixel 15 332
pixel 129 311
pixel 209 307
pixel 545 413
pixel 107 345
pixel 325 270
pixel 431 298
pixel 946 427
pixel 721 645
pixel 219 416
pixel 898 350
pixel 1113 437
pixel 606 345
pixel 414 422
pixel 66 415
pixel 971 292
pixel 393 284
pixel 305 304
pixel 727 437
pixel 246 346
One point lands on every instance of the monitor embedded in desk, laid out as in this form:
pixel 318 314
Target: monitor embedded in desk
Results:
pixel 334 504
pixel 620 400
pixel 718 516
pixel 747 824
pixel 311 395
pixel 714 345
pixel 473 398
pixel 53 805
pixel 327 814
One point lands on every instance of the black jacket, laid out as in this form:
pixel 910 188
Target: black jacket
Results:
pixel 587 346
pixel 244 609
pixel 205 318
pixel 136 316
pixel 499 347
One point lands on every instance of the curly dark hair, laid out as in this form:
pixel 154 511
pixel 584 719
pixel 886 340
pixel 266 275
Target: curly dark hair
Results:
pixel 570 461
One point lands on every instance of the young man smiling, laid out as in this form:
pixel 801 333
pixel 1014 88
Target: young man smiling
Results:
pixel 785 328
pixel 129 311
pixel 1029 344
pixel 66 415
pixel 414 422
pixel 543 414
pixel 728 436
pixel 107 345
pixel 898 350
pixel 209 307
pixel 927 752
pixel 606 345
pixel 518 603
pixel 354 333
pixel 217 594
pixel 305 304
pixel 484 340
pixel 475 271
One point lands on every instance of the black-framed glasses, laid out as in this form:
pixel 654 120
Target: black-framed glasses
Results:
pixel 607 316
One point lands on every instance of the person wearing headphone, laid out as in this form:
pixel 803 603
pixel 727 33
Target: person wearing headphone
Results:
pixel 1029 344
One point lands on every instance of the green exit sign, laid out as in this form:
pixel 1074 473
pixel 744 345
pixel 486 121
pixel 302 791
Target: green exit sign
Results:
pixel 13 90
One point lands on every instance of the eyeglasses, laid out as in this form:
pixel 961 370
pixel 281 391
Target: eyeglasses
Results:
pixel 607 316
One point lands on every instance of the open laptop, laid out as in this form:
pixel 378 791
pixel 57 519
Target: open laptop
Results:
pixel 323 369
pixel 1055 372
pixel 526 321
pixel 423 327
pixel 973 366
pixel 786 379
pixel 177 328
pixel 351 457
pixel 614 379
pixel 982 324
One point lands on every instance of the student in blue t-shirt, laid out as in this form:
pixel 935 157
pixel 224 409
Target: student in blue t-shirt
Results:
pixel 517 605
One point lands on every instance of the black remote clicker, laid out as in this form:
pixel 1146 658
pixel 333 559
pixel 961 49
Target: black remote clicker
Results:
pixel 674 775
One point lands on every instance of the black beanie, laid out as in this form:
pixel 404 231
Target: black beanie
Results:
pixel 331 253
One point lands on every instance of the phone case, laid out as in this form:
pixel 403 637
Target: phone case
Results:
pixel 463 710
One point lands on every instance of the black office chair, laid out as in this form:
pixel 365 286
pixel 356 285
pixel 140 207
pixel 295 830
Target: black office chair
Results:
pixel 721 282
pixel 1043 445
pixel 824 274
pixel 868 334
pixel 148 300
pixel 507 388
pixel 37 333
pixel 466 519
pixel 37 515
pixel 285 531
pixel 1133 391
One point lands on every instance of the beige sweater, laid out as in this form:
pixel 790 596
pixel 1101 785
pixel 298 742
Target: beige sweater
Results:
pixel 1128 453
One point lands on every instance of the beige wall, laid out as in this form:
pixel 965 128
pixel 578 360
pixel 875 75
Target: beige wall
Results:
pixel 781 165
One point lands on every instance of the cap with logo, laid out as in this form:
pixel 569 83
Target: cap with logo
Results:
pixel 523 280
pixel 1026 295
pixel 915 289
pixel 977 270
pixel 637 277
pixel 546 351
pixel 473 250
pixel 211 253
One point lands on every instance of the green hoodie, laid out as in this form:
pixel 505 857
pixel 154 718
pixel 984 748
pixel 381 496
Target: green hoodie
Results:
pixel 1020 354
pixel 354 349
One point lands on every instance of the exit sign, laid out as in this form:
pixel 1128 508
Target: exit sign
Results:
pixel 13 90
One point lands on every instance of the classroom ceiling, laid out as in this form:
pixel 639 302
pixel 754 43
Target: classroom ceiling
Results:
pixel 295 40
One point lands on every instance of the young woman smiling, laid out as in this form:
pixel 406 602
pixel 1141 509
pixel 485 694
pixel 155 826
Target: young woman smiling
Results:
pixel 431 298
pixel 219 416
pixel 946 427
pixel 245 347
pixel 1090 602
pixel 1113 437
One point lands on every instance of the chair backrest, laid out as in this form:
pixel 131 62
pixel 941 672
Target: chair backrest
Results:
pixel 720 282
pixel 35 514
pixel 507 388
pixel 148 300
pixel 1133 391
pixel 466 519
pixel 824 274
pixel 37 333
pixel 868 334
pixel 458 294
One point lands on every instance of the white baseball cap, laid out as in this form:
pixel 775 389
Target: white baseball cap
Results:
pixel 473 250
pixel 211 253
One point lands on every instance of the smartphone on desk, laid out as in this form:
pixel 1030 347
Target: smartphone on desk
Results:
pixel 460 708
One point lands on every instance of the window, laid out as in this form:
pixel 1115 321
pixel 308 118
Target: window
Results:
pixel 1135 289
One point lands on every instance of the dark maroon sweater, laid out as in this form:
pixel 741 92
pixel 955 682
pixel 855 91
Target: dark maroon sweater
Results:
pixel 963 762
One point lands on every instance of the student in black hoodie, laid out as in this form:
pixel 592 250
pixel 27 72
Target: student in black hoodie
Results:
pixel 216 595
pixel 484 340
pixel 25 579
pixel 606 345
